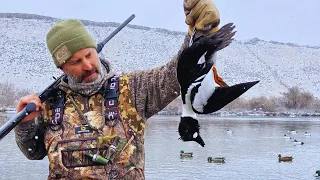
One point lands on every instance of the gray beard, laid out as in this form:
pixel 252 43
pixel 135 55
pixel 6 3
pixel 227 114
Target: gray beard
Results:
pixel 89 89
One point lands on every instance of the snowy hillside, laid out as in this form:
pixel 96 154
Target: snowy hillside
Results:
pixel 25 61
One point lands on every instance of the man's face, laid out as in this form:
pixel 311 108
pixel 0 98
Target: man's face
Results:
pixel 83 66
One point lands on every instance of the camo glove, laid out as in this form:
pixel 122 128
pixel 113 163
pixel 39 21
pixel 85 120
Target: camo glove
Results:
pixel 202 15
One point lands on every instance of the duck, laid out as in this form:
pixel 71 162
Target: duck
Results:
pixel 229 132
pixel 295 142
pixel 189 71
pixel 286 137
pixel 216 160
pixel 202 90
pixel 307 134
pixel 293 131
pixel 284 158
pixel 317 173
pixel 186 154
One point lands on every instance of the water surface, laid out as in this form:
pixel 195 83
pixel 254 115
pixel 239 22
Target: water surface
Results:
pixel 251 151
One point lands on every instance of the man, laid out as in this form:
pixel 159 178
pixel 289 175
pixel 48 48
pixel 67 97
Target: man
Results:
pixel 93 128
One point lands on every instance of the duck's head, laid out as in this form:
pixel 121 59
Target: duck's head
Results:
pixel 209 159
pixel 317 173
pixel 182 151
pixel 189 130
pixel 279 156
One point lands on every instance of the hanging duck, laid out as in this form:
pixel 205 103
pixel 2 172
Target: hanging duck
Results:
pixel 202 90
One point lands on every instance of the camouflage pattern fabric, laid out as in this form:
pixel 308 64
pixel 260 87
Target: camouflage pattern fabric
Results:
pixel 142 94
pixel 66 149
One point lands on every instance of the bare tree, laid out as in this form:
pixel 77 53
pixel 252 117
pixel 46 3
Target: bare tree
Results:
pixel 9 94
pixel 22 92
pixel 315 105
pixel 291 98
pixel 296 98
pixel 305 100
pixel 264 103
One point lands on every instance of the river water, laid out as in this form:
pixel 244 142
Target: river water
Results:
pixel 250 151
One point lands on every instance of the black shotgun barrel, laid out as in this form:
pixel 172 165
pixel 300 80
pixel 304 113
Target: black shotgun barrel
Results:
pixel 101 45
pixel 9 125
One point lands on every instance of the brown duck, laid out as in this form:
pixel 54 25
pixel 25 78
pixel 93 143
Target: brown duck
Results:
pixel 285 158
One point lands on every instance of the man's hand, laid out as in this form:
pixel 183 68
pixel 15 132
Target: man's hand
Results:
pixel 202 15
pixel 27 99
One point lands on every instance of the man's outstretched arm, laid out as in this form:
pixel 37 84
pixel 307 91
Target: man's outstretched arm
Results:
pixel 152 90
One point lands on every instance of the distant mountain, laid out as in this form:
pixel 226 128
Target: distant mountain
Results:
pixel 26 62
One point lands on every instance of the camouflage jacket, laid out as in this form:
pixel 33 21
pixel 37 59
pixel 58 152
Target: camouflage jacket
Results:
pixel 142 94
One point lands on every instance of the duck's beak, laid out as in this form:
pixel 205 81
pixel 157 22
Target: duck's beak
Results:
pixel 199 140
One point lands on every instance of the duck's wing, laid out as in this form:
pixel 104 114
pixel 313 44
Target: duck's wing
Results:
pixel 189 67
pixel 207 96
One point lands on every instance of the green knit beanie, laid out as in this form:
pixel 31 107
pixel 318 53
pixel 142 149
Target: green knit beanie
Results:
pixel 67 37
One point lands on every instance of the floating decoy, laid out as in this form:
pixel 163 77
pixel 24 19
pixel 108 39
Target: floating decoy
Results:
pixel 216 160
pixel 295 142
pixel 186 154
pixel 284 158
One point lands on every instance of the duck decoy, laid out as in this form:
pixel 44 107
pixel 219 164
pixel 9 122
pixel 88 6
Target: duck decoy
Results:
pixel 186 154
pixel 307 134
pixel 293 131
pixel 284 158
pixel 216 160
pixel 286 137
pixel 295 142
pixel 229 132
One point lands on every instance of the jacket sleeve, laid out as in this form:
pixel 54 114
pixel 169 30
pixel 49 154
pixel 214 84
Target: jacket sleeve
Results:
pixel 30 138
pixel 152 90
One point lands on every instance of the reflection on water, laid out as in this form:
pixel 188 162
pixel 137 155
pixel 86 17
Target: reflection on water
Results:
pixel 251 150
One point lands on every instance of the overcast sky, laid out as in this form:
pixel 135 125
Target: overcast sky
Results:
pixel 278 20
